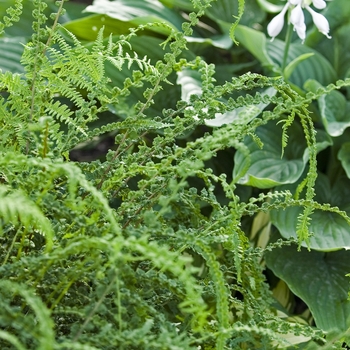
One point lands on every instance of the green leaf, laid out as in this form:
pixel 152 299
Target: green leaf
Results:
pixel 316 67
pixel 344 157
pixel 222 41
pixel 292 65
pixel 334 109
pixel 342 50
pixel 267 168
pixel 269 7
pixel 227 10
pixel 139 12
pixel 335 112
pixel 182 4
pixel 330 231
pixel 255 42
pixel 11 50
pixel 87 28
pixel 319 279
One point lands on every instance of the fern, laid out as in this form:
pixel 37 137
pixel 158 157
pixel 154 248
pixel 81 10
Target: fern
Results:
pixel 147 247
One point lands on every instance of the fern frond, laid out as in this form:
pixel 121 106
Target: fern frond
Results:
pixel 222 308
pixel 13 15
pixel 41 329
pixel 16 208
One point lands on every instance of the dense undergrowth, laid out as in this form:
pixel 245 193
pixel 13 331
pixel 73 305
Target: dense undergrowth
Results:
pixel 222 200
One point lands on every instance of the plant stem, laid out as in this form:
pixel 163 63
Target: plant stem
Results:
pixel 286 47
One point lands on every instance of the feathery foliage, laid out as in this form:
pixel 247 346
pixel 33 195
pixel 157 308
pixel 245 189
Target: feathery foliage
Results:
pixel 147 248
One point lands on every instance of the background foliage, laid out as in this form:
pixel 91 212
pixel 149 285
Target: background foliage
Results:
pixel 163 187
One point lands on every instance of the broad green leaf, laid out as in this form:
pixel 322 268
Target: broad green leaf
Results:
pixel 139 12
pixel 334 109
pixel 222 41
pixel 255 42
pixel 330 231
pixel 267 168
pixel 342 50
pixel 227 10
pixel 337 50
pixel 269 7
pixel 335 112
pixel 316 67
pixel 319 279
pixel 87 28
pixel 182 4
pixel 344 157
pixel 292 65
pixel 11 50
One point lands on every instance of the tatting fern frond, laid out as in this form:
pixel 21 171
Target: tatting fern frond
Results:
pixel 13 15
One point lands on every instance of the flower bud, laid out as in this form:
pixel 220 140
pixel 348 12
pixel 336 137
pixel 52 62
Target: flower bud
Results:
pixel 320 22
pixel 277 23
pixel 319 4
pixel 298 20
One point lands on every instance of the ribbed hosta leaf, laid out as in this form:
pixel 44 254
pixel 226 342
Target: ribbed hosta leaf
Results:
pixel 267 168
pixel 334 109
pixel 319 279
pixel 335 112
pixel 11 50
pixel 344 157
pixel 225 10
pixel 138 12
pixel 329 230
pixel 315 67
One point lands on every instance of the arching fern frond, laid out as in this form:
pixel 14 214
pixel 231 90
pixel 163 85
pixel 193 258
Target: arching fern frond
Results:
pixel 16 208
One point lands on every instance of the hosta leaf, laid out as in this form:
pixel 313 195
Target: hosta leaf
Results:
pixel 183 4
pixel 330 231
pixel 335 112
pixel 315 67
pixel 334 109
pixel 222 41
pixel 319 279
pixel 269 7
pixel 255 42
pixel 292 65
pixel 225 10
pixel 138 12
pixel 267 168
pixel 11 50
pixel 87 28
pixel 344 157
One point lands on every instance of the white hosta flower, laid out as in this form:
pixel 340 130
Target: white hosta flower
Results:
pixel 320 22
pixel 297 18
pixel 277 23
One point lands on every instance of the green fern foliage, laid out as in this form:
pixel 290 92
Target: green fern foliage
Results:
pixel 146 247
